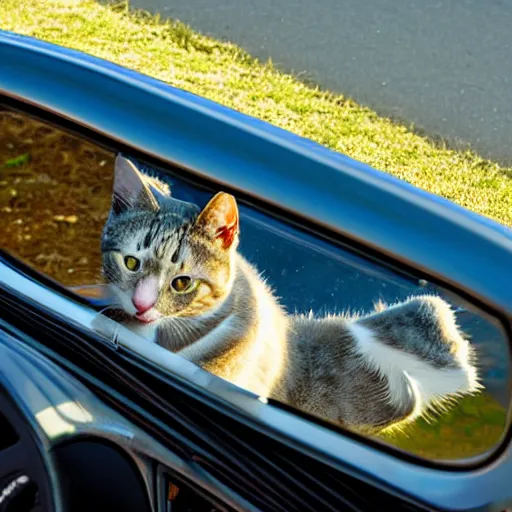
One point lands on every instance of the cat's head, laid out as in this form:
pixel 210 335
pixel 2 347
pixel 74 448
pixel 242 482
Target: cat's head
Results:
pixel 165 257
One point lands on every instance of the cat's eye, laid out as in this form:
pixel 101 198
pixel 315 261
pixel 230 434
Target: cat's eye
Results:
pixel 132 263
pixel 184 284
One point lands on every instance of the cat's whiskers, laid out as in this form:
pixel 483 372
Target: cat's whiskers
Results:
pixel 189 328
pixel 176 327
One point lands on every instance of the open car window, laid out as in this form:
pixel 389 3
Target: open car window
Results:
pixel 55 198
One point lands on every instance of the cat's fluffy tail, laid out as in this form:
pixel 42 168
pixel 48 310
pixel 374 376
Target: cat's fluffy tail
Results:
pixel 418 339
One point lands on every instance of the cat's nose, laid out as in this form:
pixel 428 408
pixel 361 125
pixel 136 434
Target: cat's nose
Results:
pixel 142 306
pixel 145 294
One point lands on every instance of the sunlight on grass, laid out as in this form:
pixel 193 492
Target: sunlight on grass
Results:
pixel 474 426
pixel 172 52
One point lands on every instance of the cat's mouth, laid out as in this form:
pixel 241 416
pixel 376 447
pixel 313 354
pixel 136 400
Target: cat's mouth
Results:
pixel 148 316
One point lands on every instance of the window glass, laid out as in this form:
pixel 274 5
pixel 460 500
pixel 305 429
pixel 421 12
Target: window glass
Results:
pixel 350 358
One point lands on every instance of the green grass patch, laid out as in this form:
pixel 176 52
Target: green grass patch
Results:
pixel 172 52
pixel 473 427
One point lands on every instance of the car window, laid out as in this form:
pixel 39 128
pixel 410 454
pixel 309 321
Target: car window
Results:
pixel 55 198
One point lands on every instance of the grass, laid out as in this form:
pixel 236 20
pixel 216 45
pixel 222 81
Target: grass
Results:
pixel 172 52
pixel 474 426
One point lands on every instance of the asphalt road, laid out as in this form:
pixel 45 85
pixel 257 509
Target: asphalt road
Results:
pixel 444 66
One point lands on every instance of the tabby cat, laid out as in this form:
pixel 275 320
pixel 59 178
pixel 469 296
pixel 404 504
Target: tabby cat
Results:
pixel 176 273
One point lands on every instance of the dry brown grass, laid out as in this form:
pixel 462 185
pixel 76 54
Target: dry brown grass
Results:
pixel 53 207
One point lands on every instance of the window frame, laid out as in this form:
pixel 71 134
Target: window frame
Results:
pixel 103 100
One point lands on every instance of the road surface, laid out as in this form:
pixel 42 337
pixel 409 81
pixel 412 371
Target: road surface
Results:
pixel 444 66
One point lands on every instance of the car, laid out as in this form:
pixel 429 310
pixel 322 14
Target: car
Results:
pixel 93 417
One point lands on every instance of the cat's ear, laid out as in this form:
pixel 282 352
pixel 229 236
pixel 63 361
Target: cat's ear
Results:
pixel 159 192
pixel 219 219
pixel 131 190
